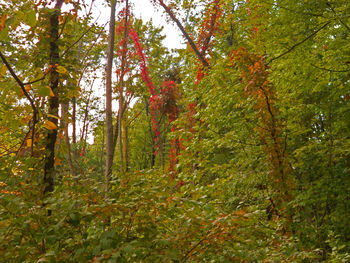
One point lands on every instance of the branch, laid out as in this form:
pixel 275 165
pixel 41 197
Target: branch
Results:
pixel 19 82
pixel 90 9
pixel 82 61
pixel 90 48
pixel 341 21
pixel 77 41
pixel 63 26
pixel 189 39
pixel 37 80
pixel 294 11
pixel 330 70
pixel 134 118
pixel 186 256
pixel 31 101
pixel 299 43
pixel 211 32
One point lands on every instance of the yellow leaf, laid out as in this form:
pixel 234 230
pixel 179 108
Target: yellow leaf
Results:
pixel 3 70
pixel 53 116
pixel 29 143
pixel 61 70
pixel 51 94
pixel 50 125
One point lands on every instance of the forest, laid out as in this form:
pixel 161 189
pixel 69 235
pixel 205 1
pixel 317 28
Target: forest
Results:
pixel 234 147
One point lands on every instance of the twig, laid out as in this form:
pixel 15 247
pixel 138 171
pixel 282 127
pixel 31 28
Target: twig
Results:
pixel 341 21
pixel 185 258
pixel 77 41
pixel 37 80
pixel 299 43
pixel 63 26
pixel 331 70
pixel 135 117
pixel 98 36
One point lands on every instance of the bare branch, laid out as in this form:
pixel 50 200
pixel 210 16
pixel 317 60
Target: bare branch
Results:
pixel 189 39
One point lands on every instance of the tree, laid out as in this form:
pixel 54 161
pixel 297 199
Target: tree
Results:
pixel 109 123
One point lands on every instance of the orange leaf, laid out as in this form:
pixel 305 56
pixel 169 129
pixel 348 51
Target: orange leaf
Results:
pixel 27 88
pixel 57 161
pixel 240 212
pixel 51 93
pixel 3 21
pixel 50 125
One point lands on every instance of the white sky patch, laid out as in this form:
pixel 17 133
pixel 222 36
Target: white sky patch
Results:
pixel 145 10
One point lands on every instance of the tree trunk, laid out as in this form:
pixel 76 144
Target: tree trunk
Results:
pixel 74 132
pixel 121 88
pixel 102 153
pixel 49 172
pixel 153 156
pixel 109 123
pixel 120 131
pixel 126 145
pixel 65 107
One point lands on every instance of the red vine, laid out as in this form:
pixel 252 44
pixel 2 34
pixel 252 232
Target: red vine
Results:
pixel 154 98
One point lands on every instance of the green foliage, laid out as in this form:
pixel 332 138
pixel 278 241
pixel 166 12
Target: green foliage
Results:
pixel 219 204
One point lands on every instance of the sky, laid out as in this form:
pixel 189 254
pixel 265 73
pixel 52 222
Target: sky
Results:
pixel 145 10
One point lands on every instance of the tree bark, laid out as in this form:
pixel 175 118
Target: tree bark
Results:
pixel 109 123
pixel 49 172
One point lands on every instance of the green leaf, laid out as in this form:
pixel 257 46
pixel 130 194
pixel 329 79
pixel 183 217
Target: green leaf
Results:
pixel 4 33
pixel 30 18
pixel 44 91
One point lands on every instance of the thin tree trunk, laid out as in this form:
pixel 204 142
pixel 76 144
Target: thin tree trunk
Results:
pixel 85 138
pixel 74 132
pixel 102 153
pixel 153 156
pixel 86 115
pixel 126 143
pixel 49 172
pixel 121 89
pixel 120 132
pixel 115 134
pixel 109 123
pixel 65 107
